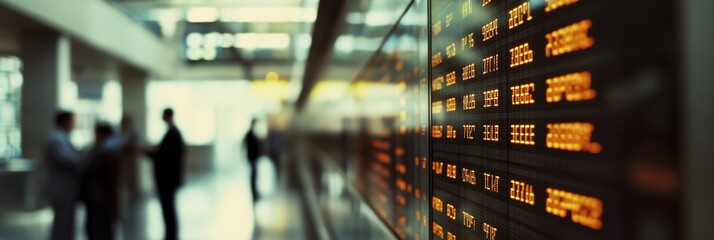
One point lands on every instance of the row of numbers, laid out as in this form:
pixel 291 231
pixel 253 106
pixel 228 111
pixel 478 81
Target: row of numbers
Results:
pixel 469 221
pixel 571 38
pixel 570 136
pixel 584 210
pixel 572 87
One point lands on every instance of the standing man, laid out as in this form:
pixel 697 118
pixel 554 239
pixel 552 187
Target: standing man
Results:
pixel 64 169
pixel 99 184
pixel 168 169
pixel 254 149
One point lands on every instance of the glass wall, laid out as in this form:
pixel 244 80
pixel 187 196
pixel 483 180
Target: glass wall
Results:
pixel 10 90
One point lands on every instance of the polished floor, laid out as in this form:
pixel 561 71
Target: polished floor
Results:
pixel 213 204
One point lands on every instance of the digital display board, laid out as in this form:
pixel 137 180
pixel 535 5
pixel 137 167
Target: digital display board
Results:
pixel 553 119
pixel 523 119
pixel 394 157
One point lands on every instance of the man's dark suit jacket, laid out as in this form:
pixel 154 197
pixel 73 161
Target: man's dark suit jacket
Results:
pixel 253 147
pixel 168 159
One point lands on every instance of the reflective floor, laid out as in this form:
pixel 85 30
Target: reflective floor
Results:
pixel 213 204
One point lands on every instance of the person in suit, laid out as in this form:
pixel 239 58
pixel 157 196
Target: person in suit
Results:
pixel 168 169
pixel 254 151
pixel 64 170
pixel 98 184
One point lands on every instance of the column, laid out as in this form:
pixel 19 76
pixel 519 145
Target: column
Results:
pixel 46 87
pixel 46 70
pixel 133 84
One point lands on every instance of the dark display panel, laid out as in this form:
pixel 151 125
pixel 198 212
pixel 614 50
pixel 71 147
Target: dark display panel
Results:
pixel 553 119
pixel 393 158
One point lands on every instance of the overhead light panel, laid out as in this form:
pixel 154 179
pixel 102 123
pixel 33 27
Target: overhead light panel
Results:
pixel 202 15
pixel 268 14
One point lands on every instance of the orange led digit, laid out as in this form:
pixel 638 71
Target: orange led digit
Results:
pixel 490 98
pixel 437 204
pixel 467 40
pixel 436 131
pixel 571 136
pixel 522 192
pixel 451 211
pixel 490 133
pixel 437 167
pixel 519 15
pixel 584 210
pixel 451 104
pixel 520 55
pixel 437 230
pixel 490 30
pixel 522 134
pixel 436 59
pixel 437 84
pixel 401 184
pixel 468 176
pixel 469 131
pixel 522 94
pixel 450 236
pixel 490 182
pixel 468 72
pixel 469 220
pixel 569 39
pixel 469 101
pixel 489 231
pixel 490 64
pixel 451 50
pixel 451 171
pixel 466 8
pixel 575 86
pixel 555 4
pixel 450 132
pixel 436 28
pixel 451 78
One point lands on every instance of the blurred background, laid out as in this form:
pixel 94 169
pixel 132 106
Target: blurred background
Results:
pixel 313 75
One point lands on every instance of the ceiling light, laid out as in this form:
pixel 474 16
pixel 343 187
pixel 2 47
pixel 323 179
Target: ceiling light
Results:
pixel 265 14
pixel 202 15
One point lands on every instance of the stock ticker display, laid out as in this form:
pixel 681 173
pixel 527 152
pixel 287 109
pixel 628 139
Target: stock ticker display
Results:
pixel 518 119
pixel 542 123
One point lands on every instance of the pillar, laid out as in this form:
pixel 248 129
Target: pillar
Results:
pixel 133 83
pixel 46 87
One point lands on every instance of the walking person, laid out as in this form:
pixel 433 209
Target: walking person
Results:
pixel 168 172
pixel 254 148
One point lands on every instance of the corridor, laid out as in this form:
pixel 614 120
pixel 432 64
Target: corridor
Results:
pixel 213 204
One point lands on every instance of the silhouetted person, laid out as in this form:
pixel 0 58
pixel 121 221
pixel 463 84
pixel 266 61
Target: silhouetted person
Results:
pixel 168 168
pixel 254 148
pixel 64 167
pixel 99 184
